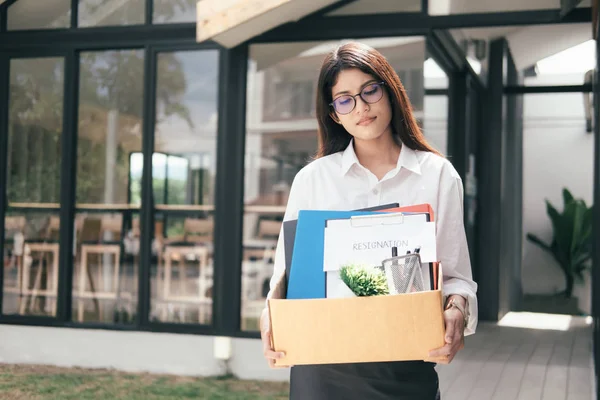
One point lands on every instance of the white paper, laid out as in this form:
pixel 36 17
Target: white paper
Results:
pixel 342 236
pixel 336 287
pixel 370 245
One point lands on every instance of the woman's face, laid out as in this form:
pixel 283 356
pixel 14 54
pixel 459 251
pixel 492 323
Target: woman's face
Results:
pixel 369 119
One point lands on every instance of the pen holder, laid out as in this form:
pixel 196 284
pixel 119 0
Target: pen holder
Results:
pixel 403 274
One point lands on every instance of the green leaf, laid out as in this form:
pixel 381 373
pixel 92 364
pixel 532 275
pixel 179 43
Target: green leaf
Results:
pixel 567 196
pixel 534 239
pixel 364 281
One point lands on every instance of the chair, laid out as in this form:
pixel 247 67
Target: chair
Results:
pixel 108 243
pixel 14 228
pixel 46 245
pixel 257 258
pixel 193 246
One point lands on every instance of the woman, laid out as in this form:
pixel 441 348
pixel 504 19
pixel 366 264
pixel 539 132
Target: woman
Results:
pixel 372 152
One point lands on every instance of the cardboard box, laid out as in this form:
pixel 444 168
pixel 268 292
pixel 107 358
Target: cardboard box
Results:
pixel 399 327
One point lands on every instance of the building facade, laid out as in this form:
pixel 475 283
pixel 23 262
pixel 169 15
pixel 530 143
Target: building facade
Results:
pixel 145 174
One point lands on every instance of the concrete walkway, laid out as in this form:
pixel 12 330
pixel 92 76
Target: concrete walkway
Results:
pixel 502 362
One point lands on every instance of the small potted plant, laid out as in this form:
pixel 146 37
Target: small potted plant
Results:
pixel 364 280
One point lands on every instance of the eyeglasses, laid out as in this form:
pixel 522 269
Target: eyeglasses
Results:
pixel 370 94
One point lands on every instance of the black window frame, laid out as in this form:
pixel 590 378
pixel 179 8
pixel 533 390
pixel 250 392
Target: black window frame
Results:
pixel 231 127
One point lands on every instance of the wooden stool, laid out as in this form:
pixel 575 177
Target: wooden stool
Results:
pixel 51 278
pixel 83 292
pixel 200 299
pixel 14 227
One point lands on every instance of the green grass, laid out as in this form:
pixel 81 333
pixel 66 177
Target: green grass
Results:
pixel 40 382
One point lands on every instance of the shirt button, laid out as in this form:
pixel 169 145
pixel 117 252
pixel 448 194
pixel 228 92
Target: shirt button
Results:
pixel 375 191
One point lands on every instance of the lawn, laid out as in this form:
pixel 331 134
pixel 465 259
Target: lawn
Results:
pixel 41 382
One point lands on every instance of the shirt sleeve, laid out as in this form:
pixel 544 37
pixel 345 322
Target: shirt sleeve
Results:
pixel 297 200
pixel 452 248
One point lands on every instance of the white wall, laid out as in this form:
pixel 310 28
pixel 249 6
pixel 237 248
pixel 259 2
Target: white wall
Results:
pixel 161 353
pixel 557 153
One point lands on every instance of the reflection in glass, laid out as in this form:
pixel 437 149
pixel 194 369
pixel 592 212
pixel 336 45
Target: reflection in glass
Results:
pixel 36 14
pixel 107 13
pixel 108 191
pixel 183 172
pixel 105 273
pixel 281 138
pixel 32 223
pixel 435 109
pixel 174 11
pixel 475 45
pixel 110 124
pixel 435 122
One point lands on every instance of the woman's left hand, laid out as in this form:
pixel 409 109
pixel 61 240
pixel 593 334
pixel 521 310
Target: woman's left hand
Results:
pixel 455 327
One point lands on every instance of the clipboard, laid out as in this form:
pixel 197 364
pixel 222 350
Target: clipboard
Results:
pixel 307 279
pixel 289 236
pixel 370 238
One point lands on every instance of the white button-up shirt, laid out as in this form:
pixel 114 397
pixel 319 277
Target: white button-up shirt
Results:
pixel 340 182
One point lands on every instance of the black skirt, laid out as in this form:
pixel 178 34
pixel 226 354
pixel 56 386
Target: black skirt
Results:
pixel 409 380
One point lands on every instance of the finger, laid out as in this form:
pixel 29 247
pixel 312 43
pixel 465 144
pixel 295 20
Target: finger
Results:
pixel 274 355
pixel 268 350
pixel 266 340
pixel 453 350
pixel 450 329
pixel 441 352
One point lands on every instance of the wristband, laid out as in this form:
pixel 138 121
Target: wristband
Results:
pixel 453 303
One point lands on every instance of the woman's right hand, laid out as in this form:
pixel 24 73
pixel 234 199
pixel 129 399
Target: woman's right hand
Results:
pixel 265 334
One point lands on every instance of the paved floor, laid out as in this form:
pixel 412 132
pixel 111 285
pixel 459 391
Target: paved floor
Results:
pixel 506 363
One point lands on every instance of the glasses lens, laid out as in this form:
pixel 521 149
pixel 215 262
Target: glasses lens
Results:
pixel 372 93
pixel 344 104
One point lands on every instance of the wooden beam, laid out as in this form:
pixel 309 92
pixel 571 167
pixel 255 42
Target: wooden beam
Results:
pixel 214 19
pixel 232 22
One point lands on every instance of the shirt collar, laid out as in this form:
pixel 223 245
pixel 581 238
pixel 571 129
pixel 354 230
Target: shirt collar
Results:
pixel 407 159
pixel 349 158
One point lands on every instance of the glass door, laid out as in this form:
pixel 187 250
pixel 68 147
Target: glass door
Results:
pixel 33 157
pixel 183 186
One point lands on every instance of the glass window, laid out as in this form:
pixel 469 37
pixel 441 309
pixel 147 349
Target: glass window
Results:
pixel 468 7
pixel 572 66
pixel 107 218
pixel 183 179
pixel 281 138
pixel 36 14
pixel 32 220
pixel 111 13
pixel 557 153
pixel 435 108
pixel 174 11
pixel 435 122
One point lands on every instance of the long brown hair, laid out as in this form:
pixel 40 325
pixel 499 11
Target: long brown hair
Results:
pixel 332 136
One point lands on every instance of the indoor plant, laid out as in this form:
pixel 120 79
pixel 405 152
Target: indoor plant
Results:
pixel 572 238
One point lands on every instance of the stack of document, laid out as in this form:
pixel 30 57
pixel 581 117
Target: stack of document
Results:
pixel 319 243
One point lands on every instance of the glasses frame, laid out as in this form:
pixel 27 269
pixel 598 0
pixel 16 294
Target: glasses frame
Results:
pixel 353 96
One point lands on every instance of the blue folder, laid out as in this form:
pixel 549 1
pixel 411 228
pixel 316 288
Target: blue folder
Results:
pixel 307 278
